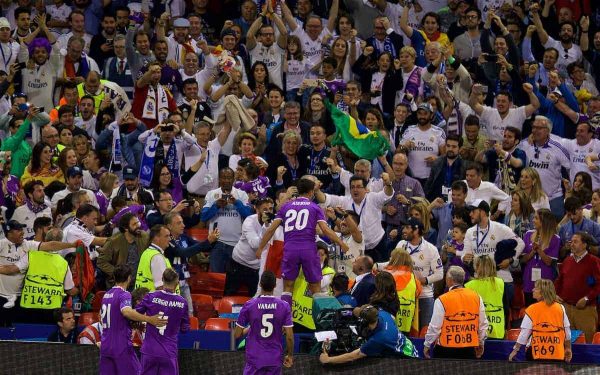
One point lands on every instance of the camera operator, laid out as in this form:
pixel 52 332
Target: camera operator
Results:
pixel 382 338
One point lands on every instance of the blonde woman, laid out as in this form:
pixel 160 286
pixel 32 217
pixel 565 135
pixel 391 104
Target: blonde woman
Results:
pixel 545 329
pixel 520 217
pixel 531 184
pixel 491 290
pixel 408 288
pixel 542 246
pixel 288 167
pixel 420 211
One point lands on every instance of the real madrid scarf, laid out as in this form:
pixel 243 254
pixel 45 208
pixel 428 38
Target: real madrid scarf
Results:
pixel 156 106
pixel 147 165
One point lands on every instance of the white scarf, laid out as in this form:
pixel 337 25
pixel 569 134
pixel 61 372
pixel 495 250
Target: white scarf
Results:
pixel 151 109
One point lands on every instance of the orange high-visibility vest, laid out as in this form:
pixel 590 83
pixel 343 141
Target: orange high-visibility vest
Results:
pixel 460 328
pixel 548 332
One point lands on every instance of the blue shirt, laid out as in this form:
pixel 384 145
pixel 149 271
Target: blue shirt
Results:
pixel 386 340
pixel 346 299
pixel 568 229
pixel 444 218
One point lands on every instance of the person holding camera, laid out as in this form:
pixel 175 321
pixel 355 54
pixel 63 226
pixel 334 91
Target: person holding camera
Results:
pixel 459 324
pixel 244 265
pixel 382 338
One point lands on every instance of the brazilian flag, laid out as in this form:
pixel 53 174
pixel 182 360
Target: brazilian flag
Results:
pixel 364 143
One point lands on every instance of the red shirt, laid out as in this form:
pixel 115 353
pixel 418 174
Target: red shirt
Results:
pixel 137 107
pixel 574 279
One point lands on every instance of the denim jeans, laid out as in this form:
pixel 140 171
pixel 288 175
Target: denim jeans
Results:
pixel 425 311
pixel 220 256
pixel 557 206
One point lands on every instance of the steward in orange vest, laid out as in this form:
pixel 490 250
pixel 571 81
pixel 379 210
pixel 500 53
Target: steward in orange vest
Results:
pixel 459 325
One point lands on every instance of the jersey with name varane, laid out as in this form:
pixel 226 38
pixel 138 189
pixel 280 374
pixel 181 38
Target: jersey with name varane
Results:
pixel 116 331
pixel 162 342
pixel 299 218
pixel 266 316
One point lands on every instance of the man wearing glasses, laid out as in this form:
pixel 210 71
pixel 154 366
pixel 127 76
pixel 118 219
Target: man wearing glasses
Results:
pixel 547 156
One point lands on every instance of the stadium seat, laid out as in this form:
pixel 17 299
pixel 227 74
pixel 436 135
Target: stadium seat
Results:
pixel 217 324
pixel 227 303
pixel 199 234
pixel 210 283
pixel 423 331
pixel 513 334
pixel 194 324
pixel 87 318
pixel 202 298
pixel 97 303
pixel 596 339
pixel 580 339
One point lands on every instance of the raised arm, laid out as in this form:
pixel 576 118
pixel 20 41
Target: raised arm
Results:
pixel 406 29
pixel 474 102
pixel 333 14
pixel 251 35
pixel 534 103
pixel 537 21
pixel 267 236
pixel 584 40
pixel 282 39
pixel 288 17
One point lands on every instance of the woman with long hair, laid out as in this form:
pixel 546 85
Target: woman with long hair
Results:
pixel 491 289
pixel 520 217
pixel 408 289
pixel 582 184
pixel 315 109
pixel 341 52
pixel 543 343
pixel 421 211
pixel 385 296
pixel 66 136
pixel 162 179
pixel 531 184
pixel 41 166
pixel 67 159
pixel 258 81
pixel 593 213
pixel 539 257
pixel 373 119
pixel 82 147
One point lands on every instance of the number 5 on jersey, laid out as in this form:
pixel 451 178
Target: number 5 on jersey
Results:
pixel 267 327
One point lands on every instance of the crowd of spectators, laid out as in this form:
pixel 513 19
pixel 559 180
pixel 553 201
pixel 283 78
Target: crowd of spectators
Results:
pixel 119 116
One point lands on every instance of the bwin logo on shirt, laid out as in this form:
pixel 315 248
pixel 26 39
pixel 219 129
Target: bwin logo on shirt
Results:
pixel 539 165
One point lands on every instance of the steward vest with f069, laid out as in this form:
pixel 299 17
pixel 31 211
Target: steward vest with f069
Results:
pixel 548 332
pixel 302 302
pixel 406 290
pixel 44 286
pixel 491 292
pixel 460 328
pixel 143 277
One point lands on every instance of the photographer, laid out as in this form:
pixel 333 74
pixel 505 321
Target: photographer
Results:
pixel 382 338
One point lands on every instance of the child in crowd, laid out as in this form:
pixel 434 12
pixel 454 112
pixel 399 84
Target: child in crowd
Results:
pixel 250 180
pixel 295 68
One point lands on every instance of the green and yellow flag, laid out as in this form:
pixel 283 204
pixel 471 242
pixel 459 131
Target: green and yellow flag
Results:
pixel 364 143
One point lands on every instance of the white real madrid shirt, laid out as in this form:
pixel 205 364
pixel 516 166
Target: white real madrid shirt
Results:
pixel 426 143
pixel 577 154
pixel 547 161
pixel 426 263
pixel 483 241
pixel 11 254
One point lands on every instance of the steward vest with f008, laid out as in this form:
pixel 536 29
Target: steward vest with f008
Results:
pixel 491 293
pixel 548 332
pixel 143 277
pixel 44 286
pixel 460 328
pixel 302 302
pixel 408 301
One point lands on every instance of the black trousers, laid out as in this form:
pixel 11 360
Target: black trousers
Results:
pixel 454 353
pixel 237 275
pixel 379 253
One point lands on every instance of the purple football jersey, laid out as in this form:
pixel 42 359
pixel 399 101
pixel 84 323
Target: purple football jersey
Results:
pixel 116 331
pixel 162 342
pixel 300 217
pixel 266 316
pixel 259 186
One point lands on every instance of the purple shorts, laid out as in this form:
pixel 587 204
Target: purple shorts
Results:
pixel 127 364
pixel 271 370
pixel 152 365
pixel 295 256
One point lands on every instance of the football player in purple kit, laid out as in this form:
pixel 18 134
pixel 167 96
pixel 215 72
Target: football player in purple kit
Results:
pixel 116 350
pixel 159 350
pixel 265 319
pixel 300 218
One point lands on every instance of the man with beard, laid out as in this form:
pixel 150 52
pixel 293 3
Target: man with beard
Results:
pixel 504 161
pixel 467 46
pixel 424 142
pixel 74 180
pixel 266 50
pixel 443 212
pixel 102 44
pixel 51 138
pixel 122 14
pixel 180 42
pixel 23 20
pixel 578 149
pixel 87 117
pixel 84 228
pixel 92 10
pixel 445 170
pixel 42 70
pixel 137 50
pixel 568 51
pixel 317 154
pixel 153 101
pixel 125 247
pixel 131 189
pixel 33 208
pixel 228 42
pixel 192 106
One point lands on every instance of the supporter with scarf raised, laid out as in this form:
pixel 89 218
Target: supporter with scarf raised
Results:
pixel 152 102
